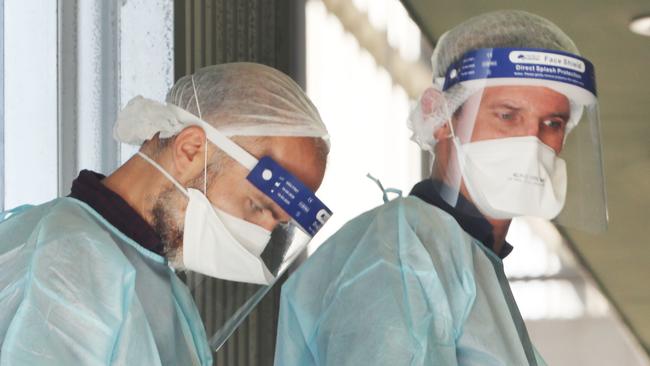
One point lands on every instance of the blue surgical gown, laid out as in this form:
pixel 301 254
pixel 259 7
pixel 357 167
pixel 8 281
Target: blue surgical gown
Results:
pixel 75 291
pixel 402 284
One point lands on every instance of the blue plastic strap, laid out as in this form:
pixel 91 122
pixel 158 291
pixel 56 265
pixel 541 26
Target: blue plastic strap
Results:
pixel 291 194
pixel 527 63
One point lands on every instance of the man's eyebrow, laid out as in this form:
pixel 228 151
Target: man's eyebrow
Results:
pixel 564 115
pixel 504 104
pixel 269 204
pixel 264 200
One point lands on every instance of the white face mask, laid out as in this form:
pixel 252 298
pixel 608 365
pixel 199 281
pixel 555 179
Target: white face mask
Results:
pixel 515 176
pixel 218 244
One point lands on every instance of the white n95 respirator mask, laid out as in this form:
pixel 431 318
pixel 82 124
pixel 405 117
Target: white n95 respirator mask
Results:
pixel 218 244
pixel 515 176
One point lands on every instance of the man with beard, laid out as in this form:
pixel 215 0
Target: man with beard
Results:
pixel 89 279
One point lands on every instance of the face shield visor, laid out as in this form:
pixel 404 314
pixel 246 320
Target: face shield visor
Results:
pixel 516 132
pixel 237 260
pixel 265 262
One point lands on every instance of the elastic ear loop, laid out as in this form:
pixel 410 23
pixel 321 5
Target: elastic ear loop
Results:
pixel 196 98
pixel 205 167
pixel 438 84
pixel 205 145
pixel 451 195
pixel 448 116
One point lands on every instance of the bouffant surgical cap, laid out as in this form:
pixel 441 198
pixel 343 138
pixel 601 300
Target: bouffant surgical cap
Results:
pixel 239 99
pixel 505 28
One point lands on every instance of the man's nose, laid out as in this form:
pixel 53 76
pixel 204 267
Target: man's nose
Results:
pixel 270 222
pixel 532 127
pixel 283 218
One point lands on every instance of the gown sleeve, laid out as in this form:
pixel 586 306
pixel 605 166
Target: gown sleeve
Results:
pixel 78 305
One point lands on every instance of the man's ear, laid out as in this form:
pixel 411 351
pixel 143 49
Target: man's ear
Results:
pixel 188 152
pixel 442 132
pixel 433 102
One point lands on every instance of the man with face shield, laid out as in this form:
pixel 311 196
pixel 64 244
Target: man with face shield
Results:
pixel 233 156
pixel 511 121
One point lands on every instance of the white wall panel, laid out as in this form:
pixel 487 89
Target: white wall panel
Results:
pixel 30 101
pixel 146 53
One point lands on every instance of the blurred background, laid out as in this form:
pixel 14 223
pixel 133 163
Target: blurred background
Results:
pixel 68 66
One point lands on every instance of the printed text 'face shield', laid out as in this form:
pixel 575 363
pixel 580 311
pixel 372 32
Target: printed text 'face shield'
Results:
pixel 519 135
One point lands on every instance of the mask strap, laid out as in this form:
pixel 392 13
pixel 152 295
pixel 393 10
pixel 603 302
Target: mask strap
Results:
pixel 205 149
pixel 164 172
pixel 205 167
pixel 448 116
pixel 438 84
pixel 196 98
pixel 235 151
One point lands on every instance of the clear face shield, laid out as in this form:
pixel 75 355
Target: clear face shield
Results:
pixel 232 261
pixel 517 133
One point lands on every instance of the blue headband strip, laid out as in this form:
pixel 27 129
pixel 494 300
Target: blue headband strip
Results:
pixel 526 63
pixel 291 194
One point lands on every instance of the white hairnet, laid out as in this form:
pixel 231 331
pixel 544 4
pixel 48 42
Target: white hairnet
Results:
pixel 239 99
pixel 499 29
pixel 504 28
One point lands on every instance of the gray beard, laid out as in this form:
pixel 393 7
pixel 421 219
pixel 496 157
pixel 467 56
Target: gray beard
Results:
pixel 168 222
